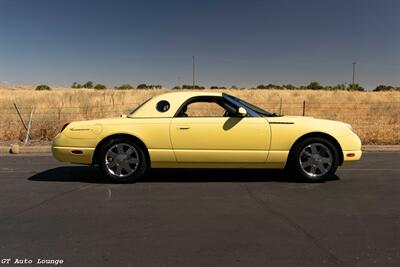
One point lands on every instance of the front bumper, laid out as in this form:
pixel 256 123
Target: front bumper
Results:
pixel 73 150
pixel 351 156
pixel 73 154
pixel 351 147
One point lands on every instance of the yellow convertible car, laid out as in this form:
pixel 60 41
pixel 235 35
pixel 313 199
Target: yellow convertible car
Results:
pixel 207 130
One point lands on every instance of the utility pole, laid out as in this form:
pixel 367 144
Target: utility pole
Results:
pixel 194 75
pixel 354 73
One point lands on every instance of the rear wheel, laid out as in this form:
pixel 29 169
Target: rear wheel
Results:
pixel 314 159
pixel 122 160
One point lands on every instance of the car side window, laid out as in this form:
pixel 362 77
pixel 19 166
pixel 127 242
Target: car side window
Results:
pixel 207 107
pixel 204 109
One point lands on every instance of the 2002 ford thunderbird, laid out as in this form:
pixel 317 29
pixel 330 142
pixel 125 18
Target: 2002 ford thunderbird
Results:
pixel 207 130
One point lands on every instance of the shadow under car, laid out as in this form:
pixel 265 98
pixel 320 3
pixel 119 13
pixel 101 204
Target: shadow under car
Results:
pixel 91 174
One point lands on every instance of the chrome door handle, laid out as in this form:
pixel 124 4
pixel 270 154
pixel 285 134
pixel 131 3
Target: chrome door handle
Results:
pixel 183 127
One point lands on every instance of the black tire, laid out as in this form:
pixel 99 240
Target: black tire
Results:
pixel 106 160
pixel 299 158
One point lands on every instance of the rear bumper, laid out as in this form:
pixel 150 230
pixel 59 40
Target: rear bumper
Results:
pixel 73 154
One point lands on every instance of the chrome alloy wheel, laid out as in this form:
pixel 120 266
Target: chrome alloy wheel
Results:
pixel 316 160
pixel 122 159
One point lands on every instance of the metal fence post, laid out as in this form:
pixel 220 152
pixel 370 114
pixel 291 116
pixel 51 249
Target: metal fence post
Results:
pixel 304 107
pixel 20 117
pixel 29 127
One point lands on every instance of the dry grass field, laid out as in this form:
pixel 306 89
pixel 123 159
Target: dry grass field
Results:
pixel 375 116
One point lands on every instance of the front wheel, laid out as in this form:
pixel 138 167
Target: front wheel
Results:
pixel 122 160
pixel 314 159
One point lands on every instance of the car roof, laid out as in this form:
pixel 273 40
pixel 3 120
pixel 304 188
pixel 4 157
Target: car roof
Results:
pixel 176 99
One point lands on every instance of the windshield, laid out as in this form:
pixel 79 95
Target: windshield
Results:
pixel 256 109
pixel 135 109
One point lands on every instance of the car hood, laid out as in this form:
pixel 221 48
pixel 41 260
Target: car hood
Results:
pixel 301 119
pixel 311 124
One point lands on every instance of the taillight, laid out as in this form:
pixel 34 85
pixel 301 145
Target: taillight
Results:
pixel 65 126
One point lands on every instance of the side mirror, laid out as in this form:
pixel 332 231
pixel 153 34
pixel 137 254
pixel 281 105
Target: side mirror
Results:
pixel 241 112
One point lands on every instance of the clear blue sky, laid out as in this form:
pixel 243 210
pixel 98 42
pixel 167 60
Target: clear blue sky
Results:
pixel 242 43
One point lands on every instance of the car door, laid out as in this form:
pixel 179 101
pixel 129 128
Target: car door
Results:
pixel 212 139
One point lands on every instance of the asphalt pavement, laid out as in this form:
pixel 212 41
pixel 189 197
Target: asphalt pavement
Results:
pixel 52 212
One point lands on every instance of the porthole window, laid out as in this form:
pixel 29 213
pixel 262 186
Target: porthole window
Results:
pixel 162 106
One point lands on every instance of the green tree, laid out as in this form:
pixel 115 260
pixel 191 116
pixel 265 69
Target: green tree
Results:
pixel 355 87
pixel 142 86
pixel 383 88
pixel 88 85
pixel 185 86
pixel 289 86
pixel 124 86
pixel 273 86
pixel 339 86
pixel 314 86
pixel 100 86
pixel 43 87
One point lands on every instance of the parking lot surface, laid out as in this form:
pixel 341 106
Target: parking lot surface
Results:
pixel 51 210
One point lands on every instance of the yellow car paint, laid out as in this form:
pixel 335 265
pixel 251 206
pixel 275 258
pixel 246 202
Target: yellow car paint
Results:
pixel 202 142
pixel 222 139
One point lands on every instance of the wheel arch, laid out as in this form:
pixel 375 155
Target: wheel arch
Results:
pixel 326 136
pixel 133 138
